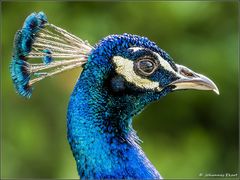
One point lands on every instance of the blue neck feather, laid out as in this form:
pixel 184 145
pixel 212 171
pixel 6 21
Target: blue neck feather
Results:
pixel 100 123
pixel 101 137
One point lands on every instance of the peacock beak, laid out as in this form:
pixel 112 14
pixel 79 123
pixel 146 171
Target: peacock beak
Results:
pixel 191 80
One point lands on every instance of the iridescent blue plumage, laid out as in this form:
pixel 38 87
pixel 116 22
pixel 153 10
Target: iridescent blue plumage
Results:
pixel 31 26
pixel 121 75
pixel 100 122
pixel 47 58
pixel 23 41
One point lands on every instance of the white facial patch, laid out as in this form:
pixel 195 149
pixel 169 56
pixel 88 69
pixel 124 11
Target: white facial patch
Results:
pixel 124 67
pixel 165 64
pixel 136 48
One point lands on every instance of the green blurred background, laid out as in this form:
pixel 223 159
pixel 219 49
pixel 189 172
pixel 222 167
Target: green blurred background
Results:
pixel 184 134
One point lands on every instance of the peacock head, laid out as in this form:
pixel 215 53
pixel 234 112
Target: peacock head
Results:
pixel 136 68
pixel 127 66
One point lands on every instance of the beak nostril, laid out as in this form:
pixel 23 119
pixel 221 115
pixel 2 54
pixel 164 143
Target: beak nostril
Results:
pixel 186 72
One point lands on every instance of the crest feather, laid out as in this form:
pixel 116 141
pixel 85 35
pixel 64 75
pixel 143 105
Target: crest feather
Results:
pixel 41 50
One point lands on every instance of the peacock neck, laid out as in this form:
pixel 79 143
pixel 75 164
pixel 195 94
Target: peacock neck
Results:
pixel 101 136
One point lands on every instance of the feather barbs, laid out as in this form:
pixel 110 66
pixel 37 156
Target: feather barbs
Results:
pixel 41 50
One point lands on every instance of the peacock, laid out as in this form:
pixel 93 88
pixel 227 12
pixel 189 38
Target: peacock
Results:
pixel 120 76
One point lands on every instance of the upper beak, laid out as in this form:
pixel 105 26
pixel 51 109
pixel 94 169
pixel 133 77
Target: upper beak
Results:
pixel 191 80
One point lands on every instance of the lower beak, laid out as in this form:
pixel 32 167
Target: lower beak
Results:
pixel 191 80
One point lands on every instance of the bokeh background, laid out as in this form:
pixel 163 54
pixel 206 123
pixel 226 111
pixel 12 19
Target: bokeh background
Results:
pixel 187 134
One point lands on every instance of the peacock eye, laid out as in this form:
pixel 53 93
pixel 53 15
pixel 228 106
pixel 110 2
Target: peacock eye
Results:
pixel 146 66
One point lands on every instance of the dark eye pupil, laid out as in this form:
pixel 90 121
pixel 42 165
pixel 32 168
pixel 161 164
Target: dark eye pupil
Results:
pixel 146 66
